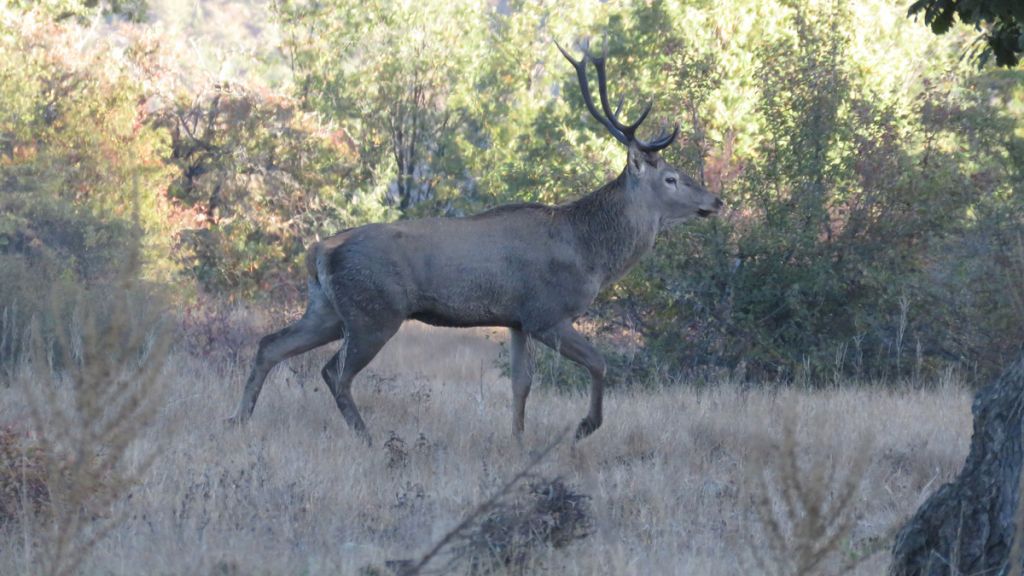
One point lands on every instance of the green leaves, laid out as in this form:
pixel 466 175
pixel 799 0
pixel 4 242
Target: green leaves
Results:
pixel 1001 23
pixel 855 153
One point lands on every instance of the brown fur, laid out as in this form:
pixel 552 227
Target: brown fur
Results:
pixel 316 248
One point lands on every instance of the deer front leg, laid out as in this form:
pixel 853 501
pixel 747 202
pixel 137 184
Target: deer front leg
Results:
pixel 565 340
pixel 522 377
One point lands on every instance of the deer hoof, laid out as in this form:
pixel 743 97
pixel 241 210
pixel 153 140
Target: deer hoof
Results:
pixel 365 437
pixel 586 428
pixel 234 421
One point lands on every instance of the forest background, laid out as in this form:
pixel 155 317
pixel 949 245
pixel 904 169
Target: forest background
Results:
pixel 873 172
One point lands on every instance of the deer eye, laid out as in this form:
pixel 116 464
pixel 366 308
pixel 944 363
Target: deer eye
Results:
pixel 671 180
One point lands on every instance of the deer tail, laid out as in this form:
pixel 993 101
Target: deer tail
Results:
pixel 318 252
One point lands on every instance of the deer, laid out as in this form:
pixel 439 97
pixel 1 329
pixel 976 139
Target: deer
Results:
pixel 530 267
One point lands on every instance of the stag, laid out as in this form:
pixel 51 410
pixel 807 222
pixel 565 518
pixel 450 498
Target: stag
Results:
pixel 530 267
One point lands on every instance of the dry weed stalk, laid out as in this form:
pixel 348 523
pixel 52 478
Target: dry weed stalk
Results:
pixel 8 343
pixel 87 411
pixel 22 476
pixel 805 512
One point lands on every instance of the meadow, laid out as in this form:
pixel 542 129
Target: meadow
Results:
pixel 720 478
pixel 801 368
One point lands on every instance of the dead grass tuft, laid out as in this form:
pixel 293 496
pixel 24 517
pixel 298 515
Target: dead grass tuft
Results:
pixel 547 513
pixel 397 452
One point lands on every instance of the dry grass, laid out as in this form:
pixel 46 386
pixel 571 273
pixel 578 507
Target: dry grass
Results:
pixel 668 476
pixel 804 505
pixel 89 393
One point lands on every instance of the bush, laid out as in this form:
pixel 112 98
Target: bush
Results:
pixel 548 513
pixel 262 179
pixel 874 219
pixel 839 225
pixel 82 175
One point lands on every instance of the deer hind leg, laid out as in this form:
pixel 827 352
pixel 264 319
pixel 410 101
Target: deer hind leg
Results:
pixel 565 340
pixel 522 377
pixel 318 326
pixel 361 346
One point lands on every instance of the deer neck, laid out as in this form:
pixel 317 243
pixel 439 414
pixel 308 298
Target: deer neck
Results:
pixel 613 229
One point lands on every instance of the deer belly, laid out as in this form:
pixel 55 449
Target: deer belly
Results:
pixel 464 316
pixel 466 303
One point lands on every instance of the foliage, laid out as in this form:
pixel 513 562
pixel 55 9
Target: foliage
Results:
pixel 839 215
pixel 386 71
pixel 73 153
pixel 1001 22
pixel 259 177
pixel 105 147
pixel 874 224
pixel 82 10
pixel 76 161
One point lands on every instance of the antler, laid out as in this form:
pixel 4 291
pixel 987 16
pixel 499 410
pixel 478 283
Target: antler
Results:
pixel 625 133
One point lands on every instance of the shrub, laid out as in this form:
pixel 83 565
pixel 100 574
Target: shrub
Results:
pixel 262 179
pixel 844 221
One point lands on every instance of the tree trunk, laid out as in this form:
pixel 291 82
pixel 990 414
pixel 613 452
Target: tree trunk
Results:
pixel 967 526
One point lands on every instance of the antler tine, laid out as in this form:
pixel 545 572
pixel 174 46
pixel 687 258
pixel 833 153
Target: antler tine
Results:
pixel 602 90
pixel 640 120
pixel 659 143
pixel 602 86
pixel 581 74
pixel 623 133
pixel 575 63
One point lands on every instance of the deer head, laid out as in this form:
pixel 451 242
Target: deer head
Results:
pixel 660 187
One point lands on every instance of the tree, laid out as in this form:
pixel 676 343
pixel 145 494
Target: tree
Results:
pixel 969 526
pixel 1001 23
pixel 82 10
pixel 262 178
pixel 386 72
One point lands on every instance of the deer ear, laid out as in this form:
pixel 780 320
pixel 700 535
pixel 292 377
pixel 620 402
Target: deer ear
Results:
pixel 636 162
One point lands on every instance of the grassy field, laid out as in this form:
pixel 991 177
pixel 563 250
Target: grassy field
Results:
pixel 680 480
